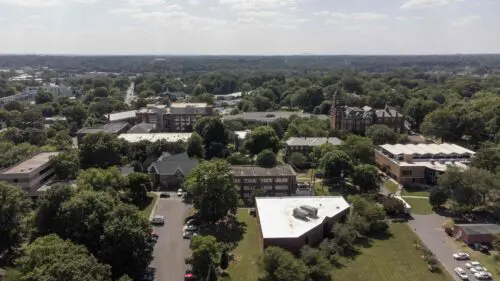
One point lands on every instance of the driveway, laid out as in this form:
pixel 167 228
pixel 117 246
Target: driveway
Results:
pixel 171 249
pixel 429 229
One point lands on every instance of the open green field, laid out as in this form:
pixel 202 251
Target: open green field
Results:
pixel 244 267
pixel 393 259
pixel 419 206
pixel 391 186
pixel 147 207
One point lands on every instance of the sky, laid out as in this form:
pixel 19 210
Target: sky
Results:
pixel 249 27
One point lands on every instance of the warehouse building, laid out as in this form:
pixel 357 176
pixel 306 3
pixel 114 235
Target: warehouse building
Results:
pixel 477 233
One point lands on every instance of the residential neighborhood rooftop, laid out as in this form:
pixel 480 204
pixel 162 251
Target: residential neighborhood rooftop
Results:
pixel 276 214
pixel 270 116
pixel 431 149
pixel 477 229
pixel 256 171
pixel 152 137
pixel 30 164
pixel 300 141
pixel 111 128
pixel 141 128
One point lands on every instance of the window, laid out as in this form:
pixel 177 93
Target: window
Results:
pixel 282 180
pixel 249 180
pixel 268 187
pixel 267 180
pixel 406 173
pixel 249 187
pixel 281 187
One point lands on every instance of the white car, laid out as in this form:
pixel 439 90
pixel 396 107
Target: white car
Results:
pixel 472 264
pixel 461 273
pixel 461 256
pixel 483 275
pixel 477 269
pixel 179 192
pixel 158 220
pixel 190 227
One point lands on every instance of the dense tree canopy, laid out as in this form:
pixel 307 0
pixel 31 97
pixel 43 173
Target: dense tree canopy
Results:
pixel 14 209
pixel 262 138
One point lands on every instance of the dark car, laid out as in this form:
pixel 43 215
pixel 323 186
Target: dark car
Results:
pixel 480 247
pixel 164 195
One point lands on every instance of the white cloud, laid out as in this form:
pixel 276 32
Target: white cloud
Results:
pixel 333 17
pixel 86 1
pixel 145 2
pixel 257 4
pixel 33 3
pixel 125 11
pixel 258 14
pixel 466 20
pixel 418 4
pixel 34 17
pixel 194 2
pixel 368 16
pixel 408 18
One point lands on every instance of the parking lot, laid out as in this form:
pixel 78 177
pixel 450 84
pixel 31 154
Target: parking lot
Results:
pixel 171 249
pixel 430 231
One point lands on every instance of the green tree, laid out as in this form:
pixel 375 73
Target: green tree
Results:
pixel 101 92
pixel 298 160
pixel 14 209
pixel 66 165
pixel 43 97
pixel 138 185
pixel 238 159
pixel 267 159
pixel 320 151
pixel 62 141
pixel 100 151
pixel 319 266
pixel 442 124
pixel 487 158
pixel 496 242
pixel 381 134
pixel 344 238
pixel 109 179
pixel 438 197
pixel 224 260
pixel 366 177
pixel 361 149
pixel 195 146
pixel 281 265
pixel 212 187
pixel 51 258
pixel 417 109
pixel 198 90
pixel 214 134
pixel 393 206
pixel 204 256
pixel 263 137
pixel 336 164
pixel 47 208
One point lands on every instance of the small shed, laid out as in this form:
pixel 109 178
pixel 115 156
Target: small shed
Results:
pixel 477 233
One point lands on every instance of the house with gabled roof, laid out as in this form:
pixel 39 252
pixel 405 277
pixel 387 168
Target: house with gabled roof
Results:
pixel 169 171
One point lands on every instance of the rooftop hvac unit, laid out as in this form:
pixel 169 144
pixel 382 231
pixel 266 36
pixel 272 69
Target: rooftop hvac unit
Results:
pixel 311 211
pixel 299 213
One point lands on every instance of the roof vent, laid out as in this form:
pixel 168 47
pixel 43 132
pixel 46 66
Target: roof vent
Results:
pixel 300 214
pixel 311 211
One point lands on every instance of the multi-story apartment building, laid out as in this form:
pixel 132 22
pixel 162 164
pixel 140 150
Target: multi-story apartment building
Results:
pixel 29 93
pixel 30 174
pixel 110 128
pixel 179 117
pixel 277 181
pixel 357 120
pixel 306 145
pixel 420 163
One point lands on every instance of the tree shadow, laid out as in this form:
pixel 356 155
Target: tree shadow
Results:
pixel 416 188
pixel 145 203
pixel 229 231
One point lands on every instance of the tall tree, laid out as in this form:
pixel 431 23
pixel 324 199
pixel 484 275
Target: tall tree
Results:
pixel 281 265
pixel 212 187
pixel 14 209
pixel 195 146
pixel 263 137
pixel 366 177
pixel 47 208
pixel 267 159
pixel 214 135
pixel 109 179
pixel 336 164
pixel 100 151
pixel 51 258
pixel 360 149
pixel 204 256
pixel 138 185
pixel 66 165
pixel 381 134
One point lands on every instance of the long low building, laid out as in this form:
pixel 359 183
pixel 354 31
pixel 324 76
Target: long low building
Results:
pixel 293 222
pixel 153 137
pixel 31 174
pixel 420 163
pixel 269 117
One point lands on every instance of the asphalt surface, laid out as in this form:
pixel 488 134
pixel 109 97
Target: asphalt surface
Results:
pixel 129 97
pixel 429 229
pixel 171 249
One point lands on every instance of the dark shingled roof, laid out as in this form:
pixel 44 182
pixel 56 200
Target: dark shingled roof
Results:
pixel 256 171
pixel 141 128
pixel 110 128
pixel 168 164
pixel 478 229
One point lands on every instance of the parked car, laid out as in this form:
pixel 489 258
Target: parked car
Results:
pixel 190 227
pixel 188 234
pixel 189 277
pixel 472 264
pixel 179 192
pixel 461 273
pixel 479 247
pixel 164 195
pixel 461 256
pixel 483 275
pixel 158 220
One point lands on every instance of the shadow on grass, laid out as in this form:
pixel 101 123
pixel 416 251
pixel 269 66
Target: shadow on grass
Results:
pixel 416 188
pixel 143 205
pixel 229 231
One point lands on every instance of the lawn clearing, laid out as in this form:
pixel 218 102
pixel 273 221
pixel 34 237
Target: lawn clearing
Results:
pixel 391 186
pixel 244 267
pixel 146 208
pixel 419 206
pixel 415 193
pixel 394 259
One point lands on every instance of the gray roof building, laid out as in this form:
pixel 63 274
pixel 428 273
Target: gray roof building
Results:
pixel 142 128
pixel 268 117
pixel 256 171
pixel 169 164
pixel 298 141
pixel 480 229
pixel 110 128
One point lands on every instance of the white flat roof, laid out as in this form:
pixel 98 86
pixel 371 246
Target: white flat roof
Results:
pixel 152 137
pixel 122 115
pixel 422 148
pixel 242 134
pixel 434 165
pixel 276 214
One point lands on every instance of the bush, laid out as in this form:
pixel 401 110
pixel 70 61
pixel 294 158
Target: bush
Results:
pixel 393 207
pixel 267 159
pixel 379 227
pixel 298 160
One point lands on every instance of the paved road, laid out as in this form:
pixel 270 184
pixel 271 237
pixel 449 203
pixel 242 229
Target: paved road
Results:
pixel 171 249
pixel 429 229
pixel 129 97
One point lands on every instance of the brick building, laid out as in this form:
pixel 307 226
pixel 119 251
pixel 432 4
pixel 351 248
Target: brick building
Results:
pixel 357 120
pixel 179 117
pixel 277 181
pixel 306 145
pixel 293 222
pixel 477 233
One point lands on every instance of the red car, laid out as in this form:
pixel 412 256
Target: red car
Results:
pixel 189 277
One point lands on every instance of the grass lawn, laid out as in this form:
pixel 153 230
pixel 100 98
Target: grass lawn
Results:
pixel 244 266
pixel 391 186
pixel 419 206
pixel 415 193
pixel 394 259
pixel 147 207
pixel 306 175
